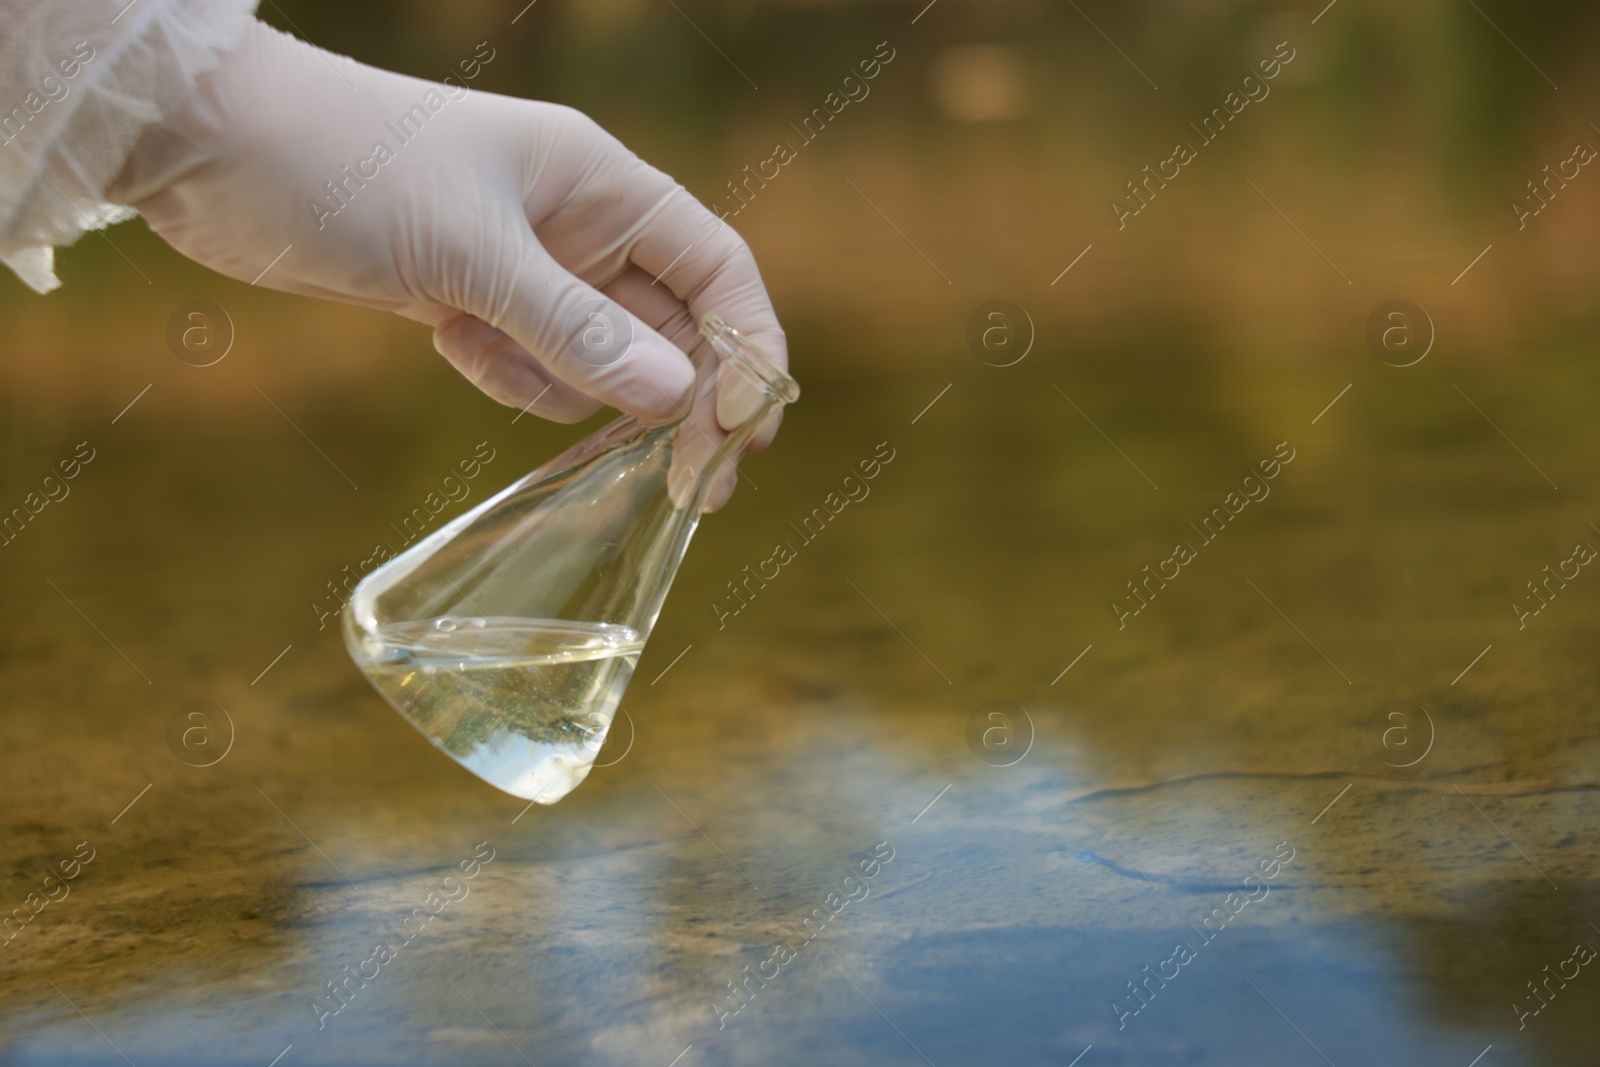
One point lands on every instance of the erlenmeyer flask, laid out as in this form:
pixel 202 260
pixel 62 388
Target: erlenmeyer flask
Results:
pixel 508 636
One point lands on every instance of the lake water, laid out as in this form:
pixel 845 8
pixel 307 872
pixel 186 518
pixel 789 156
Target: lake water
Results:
pixel 927 796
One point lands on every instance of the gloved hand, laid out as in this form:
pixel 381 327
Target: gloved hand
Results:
pixel 503 223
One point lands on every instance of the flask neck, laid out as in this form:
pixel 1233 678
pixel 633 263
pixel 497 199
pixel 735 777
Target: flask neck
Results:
pixel 747 375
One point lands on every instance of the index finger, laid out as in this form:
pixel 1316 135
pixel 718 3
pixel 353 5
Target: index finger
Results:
pixel 711 269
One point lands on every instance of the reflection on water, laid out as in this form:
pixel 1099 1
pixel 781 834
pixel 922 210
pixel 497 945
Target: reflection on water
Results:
pixel 1213 852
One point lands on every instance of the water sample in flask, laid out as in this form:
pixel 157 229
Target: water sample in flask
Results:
pixel 509 635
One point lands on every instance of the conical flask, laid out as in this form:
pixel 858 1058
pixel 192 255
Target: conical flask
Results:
pixel 509 635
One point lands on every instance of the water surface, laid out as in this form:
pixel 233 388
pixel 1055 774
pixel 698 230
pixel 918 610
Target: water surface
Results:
pixel 1139 773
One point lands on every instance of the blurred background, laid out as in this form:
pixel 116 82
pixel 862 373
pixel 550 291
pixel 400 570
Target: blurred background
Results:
pixel 1143 367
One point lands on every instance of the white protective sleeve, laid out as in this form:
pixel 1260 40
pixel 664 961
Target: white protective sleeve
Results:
pixel 79 81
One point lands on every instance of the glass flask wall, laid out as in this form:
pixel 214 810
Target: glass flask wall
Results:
pixel 509 636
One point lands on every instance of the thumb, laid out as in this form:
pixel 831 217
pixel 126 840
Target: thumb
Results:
pixel 584 338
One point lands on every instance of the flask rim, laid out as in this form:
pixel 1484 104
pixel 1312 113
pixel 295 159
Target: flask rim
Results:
pixel 731 345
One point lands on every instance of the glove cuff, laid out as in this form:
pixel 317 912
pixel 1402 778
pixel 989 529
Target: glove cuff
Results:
pixel 87 77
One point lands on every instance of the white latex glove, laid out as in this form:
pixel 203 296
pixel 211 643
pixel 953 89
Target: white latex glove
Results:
pixel 498 221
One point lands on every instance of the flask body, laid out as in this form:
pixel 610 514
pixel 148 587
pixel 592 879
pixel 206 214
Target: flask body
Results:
pixel 509 636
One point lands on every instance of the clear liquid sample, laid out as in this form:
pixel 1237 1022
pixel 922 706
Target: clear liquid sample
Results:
pixel 469 631
pixel 523 703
